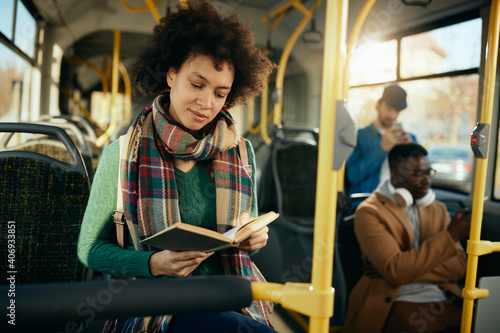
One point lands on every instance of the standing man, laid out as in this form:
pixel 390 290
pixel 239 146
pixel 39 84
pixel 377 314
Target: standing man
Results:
pixel 411 253
pixel 365 168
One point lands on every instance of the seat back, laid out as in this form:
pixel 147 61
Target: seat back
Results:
pixel 347 244
pixel 42 204
pixel 487 319
pixel 294 165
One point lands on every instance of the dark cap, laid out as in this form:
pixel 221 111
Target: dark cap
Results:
pixel 395 97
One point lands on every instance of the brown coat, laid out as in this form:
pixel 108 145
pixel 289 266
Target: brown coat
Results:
pixel 386 240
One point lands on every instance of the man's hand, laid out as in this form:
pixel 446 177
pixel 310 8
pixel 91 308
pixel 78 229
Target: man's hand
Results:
pixel 459 226
pixel 391 137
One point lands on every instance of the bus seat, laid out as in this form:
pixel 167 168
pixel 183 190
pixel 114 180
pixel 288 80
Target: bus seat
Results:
pixel 294 165
pixel 42 205
pixel 348 246
pixel 52 148
pixel 453 204
pixel 294 156
pixel 79 134
pixel 487 319
pixel 269 259
pixel 266 190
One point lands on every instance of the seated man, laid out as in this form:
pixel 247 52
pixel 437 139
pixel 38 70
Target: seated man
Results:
pixel 411 252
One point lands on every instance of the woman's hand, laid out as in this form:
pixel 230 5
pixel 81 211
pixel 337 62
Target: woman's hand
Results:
pixel 176 264
pixel 257 240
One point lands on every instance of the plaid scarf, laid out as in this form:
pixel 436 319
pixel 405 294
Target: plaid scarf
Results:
pixel 150 197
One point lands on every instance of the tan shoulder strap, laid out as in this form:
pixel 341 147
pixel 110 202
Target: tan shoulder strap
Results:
pixel 242 146
pixel 118 214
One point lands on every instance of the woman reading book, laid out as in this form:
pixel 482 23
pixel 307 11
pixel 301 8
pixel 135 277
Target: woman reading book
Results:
pixel 180 161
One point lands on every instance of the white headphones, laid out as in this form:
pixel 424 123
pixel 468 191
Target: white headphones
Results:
pixel 404 198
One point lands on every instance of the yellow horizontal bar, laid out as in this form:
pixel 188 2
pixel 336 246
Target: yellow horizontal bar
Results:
pixel 479 248
pixel 475 293
pixel 496 247
pixel 299 297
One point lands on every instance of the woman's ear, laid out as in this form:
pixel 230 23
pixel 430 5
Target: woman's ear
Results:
pixel 171 76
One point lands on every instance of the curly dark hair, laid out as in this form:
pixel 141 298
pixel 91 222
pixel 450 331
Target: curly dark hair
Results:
pixel 201 29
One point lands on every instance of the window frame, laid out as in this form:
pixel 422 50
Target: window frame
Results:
pixel 9 42
pixel 441 23
pixel 438 23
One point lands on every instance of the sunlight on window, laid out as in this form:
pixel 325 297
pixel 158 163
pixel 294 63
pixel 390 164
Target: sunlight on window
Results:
pixel 25 30
pixel 456 47
pixel 373 63
pixel 6 15
pixel 14 80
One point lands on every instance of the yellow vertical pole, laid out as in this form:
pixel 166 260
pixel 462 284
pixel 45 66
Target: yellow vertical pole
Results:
pixel 263 114
pixel 326 195
pixel 353 37
pixel 470 291
pixel 127 105
pixel 114 91
pixel 280 74
pixel 264 99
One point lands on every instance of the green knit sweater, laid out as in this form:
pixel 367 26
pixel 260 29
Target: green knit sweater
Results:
pixel 97 247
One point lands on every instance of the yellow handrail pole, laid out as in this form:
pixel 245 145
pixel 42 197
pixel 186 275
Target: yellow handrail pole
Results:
pixel 153 10
pixel 264 107
pixel 280 75
pixel 149 6
pixel 104 84
pixel 250 109
pixel 102 77
pixel 250 112
pixel 264 100
pixel 326 185
pixel 353 37
pixel 470 291
pixel 137 9
pixel 114 91
pixel 128 91
pixel 316 300
pixel 71 96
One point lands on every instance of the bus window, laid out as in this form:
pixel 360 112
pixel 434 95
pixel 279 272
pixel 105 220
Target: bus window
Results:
pixel 25 30
pixel 6 17
pixel 14 75
pixel 452 48
pixel 17 51
pixel 373 63
pixel 439 70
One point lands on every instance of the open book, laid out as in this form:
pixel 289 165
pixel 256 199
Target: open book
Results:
pixel 187 237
